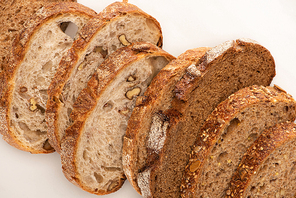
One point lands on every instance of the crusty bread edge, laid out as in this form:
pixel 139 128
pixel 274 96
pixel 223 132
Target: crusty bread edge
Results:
pixel 146 104
pixel 219 119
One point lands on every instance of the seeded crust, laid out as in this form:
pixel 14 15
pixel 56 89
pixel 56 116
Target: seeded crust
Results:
pixel 89 103
pixel 19 50
pixel 222 118
pixel 155 98
pixel 81 49
pixel 222 71
pixel 255 161
pixel 14 14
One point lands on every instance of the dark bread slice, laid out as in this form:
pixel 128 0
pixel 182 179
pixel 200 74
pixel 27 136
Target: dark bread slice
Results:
pixel 267 169
pixel 14 14
pixel 98 39
pixel 157 98
pixel 36 51
pixel 226 135
pixel 220 72
pixel 92 147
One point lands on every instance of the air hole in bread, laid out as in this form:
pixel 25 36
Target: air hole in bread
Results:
pixel 151 24
pixel 101 50
pixel 112 185
pixel 112 169
pixel 49 35
pixel 252 137
pixel 69 28
pixel 47 146
pixel 99 177
pixel 47 66
pixel 222 157
pixel 108 106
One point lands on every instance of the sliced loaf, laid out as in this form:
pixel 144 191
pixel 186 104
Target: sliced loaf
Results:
pixel 267 169
pixel 118 25
pixel 226 135
pixel 92 147
pixel 36 54
pixel 157 146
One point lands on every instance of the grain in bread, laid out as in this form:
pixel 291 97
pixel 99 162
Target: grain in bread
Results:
pixel 226 135
pixel 92 147
pixel 267 169
pixel 37 51
pixel 222 71
pixel 118 25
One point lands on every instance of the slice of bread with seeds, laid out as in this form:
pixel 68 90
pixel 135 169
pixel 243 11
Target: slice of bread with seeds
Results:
pixel 159 138
pixel 267 169
pixel 227 134
pixel 92 147
pixel 118 25
pixel 37 52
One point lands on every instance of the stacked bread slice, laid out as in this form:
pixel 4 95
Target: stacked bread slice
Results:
pixel 36 51
pixel 118 25
pixel 267 169
pixel 226 135
pixel 92 146
pixel 164 124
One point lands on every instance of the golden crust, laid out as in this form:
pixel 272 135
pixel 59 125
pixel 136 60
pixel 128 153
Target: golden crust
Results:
pixel 19 49
pixel 219 119
pixel 87 101
pixel 269 140
pixel 110 13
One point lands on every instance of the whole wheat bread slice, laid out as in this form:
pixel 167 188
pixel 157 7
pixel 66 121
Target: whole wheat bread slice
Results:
pixel 267 169
pixel 116 26
pixel 36 53
pixel 14 14
pixel 92 147
pixel 157 147
pixel 226 135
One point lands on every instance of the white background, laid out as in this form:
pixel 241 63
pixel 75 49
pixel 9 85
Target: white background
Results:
pixel 186 24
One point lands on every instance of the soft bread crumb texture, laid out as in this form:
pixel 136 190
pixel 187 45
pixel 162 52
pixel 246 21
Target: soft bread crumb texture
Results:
pixel 99 151
pixel 276 176
pixel 33 77
pixel 134 27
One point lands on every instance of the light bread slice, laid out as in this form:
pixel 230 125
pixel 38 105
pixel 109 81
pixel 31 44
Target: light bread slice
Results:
pixel 36 54
pixel 267 169
pixel 92 146
pixel 226 135
pixel 116 26
pixel 158 139
pixel 14 14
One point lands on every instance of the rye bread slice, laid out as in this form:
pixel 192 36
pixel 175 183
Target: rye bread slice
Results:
pixel 226 135
pixel 14 14
pixel 267 169
pixel 92 147
pixel 156 152
pixel 36 53
pixel 116 26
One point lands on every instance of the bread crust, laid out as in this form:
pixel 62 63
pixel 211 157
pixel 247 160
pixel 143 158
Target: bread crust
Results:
pixel 87 101
pixel 19 49
pixel 109 14
pixel 146 106
pixel 257 153
pixel 219 120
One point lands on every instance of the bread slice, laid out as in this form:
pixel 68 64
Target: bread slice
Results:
pixel 156 153
pixel 92 146
pixel 161 92
pixel 14 14
pixel 227 133
pixel 36 54
pixel 267 169
pixel 116 26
